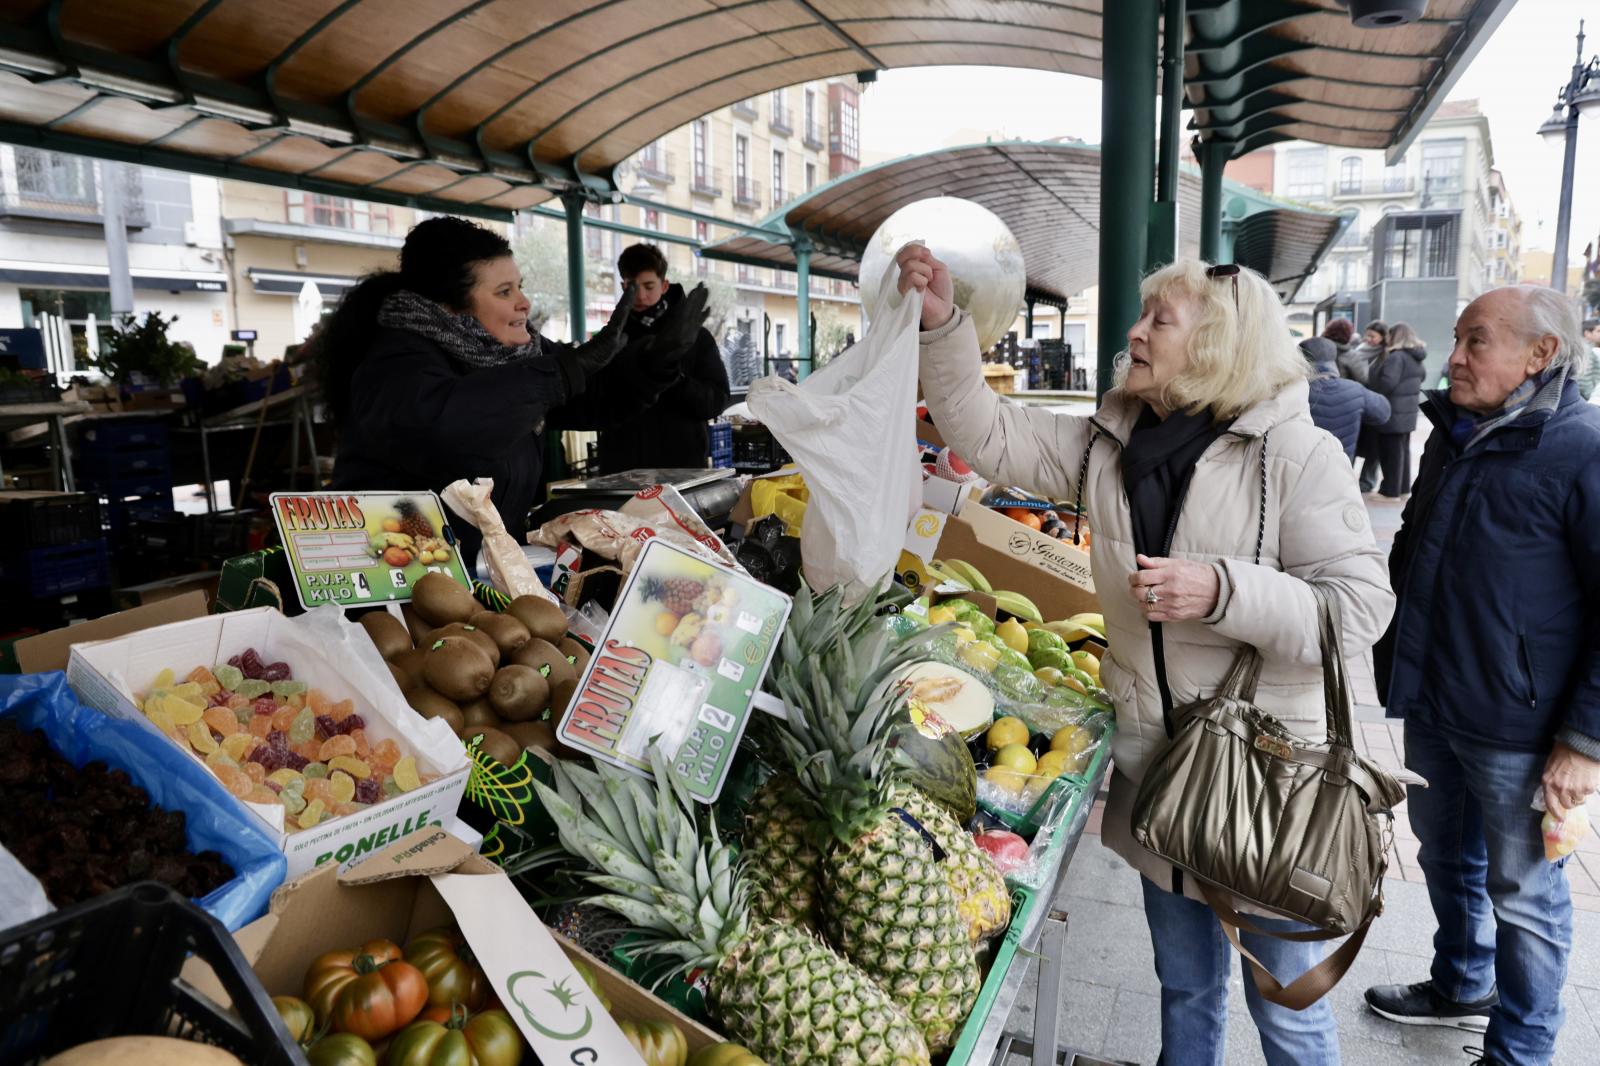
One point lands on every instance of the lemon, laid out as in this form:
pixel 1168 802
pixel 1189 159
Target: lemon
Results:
pixel 1006 732
pixel 1049 675
pixel 1072 739
pixel 980 655
pixel 938 616
pixel 1008 780
pixel 1052 764
pixel 1014 635
pixel 1086 662
pixel 1017 757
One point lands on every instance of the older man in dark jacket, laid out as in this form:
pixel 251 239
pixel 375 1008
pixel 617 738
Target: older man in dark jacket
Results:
pixel 1339 405
pixel 1493 660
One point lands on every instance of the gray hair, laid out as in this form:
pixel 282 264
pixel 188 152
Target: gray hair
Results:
pixel 1548 313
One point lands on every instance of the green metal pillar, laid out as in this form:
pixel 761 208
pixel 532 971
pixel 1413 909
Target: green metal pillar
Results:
pixel 1163 244
pixel 802 301
pixel 1214 156
pixel 1029 323
pixel 1127 168
pixel 573 201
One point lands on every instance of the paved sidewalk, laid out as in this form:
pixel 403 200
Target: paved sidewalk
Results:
pixel 1110 996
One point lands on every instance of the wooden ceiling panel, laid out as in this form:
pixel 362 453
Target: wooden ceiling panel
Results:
pixel 417 179
pixel 124 121
pixel 37 103
pixel 293 155
pixel 216 138
pixel 132 29
pixel 519 197
pixel 344 51
pixel 22 12
pixel 237 40
pixel 474 189
pixel 359 167
pixel 1334 30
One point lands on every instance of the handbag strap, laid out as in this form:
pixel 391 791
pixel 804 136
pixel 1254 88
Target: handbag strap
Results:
pixel 1310 986
pixel 1335 679
pixel 1242 677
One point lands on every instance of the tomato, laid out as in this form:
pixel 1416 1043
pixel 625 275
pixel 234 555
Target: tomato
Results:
pixel 453 975
pixel 489 1038
pixel 370 992
pixel 658 1043
pixel 298 1016
pixel 341 1049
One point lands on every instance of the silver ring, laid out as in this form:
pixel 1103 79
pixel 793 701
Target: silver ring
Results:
pixel 1150 596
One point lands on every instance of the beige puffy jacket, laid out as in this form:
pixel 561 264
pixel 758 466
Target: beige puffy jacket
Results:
pixel 1316 529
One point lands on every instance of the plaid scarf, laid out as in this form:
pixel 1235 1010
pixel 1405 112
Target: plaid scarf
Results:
pixel 463 336
pixel 1468 428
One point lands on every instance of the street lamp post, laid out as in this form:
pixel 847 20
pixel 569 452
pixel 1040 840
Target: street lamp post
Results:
pixel 1580 94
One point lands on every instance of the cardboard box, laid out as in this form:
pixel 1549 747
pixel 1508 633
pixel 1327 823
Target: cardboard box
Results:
pixel 49 651
pixel 326 652
pixel 427 880
pixel 1054 574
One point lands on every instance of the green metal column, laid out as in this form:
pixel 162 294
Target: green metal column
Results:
pixel 573 201
pixel 1029 323
pixel 1163 243
pixel 1214 157
pixel 802 301
pixel 1127 167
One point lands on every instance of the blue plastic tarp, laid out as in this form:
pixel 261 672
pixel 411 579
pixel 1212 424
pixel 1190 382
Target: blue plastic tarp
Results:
pixel 175 782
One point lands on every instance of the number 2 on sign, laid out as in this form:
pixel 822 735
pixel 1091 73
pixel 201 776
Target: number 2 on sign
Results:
pixel 359 581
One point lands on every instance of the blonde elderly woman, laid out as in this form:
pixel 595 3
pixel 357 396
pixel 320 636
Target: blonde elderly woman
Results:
pixel 1215 502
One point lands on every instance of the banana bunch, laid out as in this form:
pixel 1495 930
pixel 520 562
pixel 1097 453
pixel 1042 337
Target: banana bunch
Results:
pixel 399 540
pixel 959 572
pixel 1079 627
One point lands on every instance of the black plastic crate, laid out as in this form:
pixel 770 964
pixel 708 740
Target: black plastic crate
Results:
pixel 111 434
pixel 110 967
pixel 756 450
pixel 29 391
pixel 111 465
pixel 42 573
pixel 47 520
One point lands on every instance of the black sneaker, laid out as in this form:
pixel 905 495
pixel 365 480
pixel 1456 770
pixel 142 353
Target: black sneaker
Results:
pixel 1481 1059
pixel 1421 1004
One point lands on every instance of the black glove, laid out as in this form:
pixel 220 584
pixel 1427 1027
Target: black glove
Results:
pixel 593 354
pixel 683 324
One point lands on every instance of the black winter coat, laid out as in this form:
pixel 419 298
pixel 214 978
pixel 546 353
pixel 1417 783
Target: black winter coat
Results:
pixel 1343 407
pixel 1398 376
pixel 658 424
pixel 419 419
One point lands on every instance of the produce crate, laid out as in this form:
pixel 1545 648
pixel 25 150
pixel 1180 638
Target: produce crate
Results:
pixel 1024 902
pixel 720 437
pixel 47 519
pixel 110 967
pixel 46 391
pixel 1067 789
pixel 756 450
pixel 110 434
pixel 149 483
pixel 56 571
pixel 116 464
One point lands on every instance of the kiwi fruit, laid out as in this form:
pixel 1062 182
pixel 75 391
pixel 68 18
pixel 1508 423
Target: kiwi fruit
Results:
pixel 421 632
pixel 543 619
pixel 576 652
pixel 563 679
pixel 478 714
pixel 388 634
pixel 519 693
pixel 495 744
pixel 457 668
pixel 430 704
pixel 401 678
pixel 439 600
pixel 503 629
pixel 409 663
pixel 483 640
pixel 540 735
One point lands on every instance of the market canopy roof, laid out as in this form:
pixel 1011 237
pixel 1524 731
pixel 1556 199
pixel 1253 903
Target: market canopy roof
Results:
pixel 485 106
pixel 1048 194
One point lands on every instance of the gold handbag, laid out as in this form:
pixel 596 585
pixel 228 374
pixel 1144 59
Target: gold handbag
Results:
pixel 1252 812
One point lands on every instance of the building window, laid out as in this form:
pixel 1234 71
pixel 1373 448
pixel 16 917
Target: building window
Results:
pixel 652 219
pixel 701 134
pixel 777 178
pixel 1350 174
pixel 702 233
pixel 1307 173
pixel 1394 177
pixel 1443 168
pixel 337 212
pixel 741 161
pixel 811 176
pixel 54 176
pixel 849 130
pixel 592 235
pixel 779 329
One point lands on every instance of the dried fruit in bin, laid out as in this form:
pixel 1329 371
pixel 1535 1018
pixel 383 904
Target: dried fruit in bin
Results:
pixel 281 735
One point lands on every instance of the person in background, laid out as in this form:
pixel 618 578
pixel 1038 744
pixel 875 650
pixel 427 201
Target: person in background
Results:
pixel 1589 376
pixel 1356 364
pixel 1397 375
pixel 1493 660
pixel 1217 505
pixel 431 373
pixel 671 372
pixel 1339 331
pixel 1339 405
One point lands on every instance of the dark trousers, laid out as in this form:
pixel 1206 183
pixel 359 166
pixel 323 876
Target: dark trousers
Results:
pixel 1391 454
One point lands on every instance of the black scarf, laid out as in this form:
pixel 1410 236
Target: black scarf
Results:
pixel 1156 466
pixel 463 336
pixel 650 316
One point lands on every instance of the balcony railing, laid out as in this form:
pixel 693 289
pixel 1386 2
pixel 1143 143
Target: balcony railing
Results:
pixel 744 274
pixel 67 189
pixel 706 181
pixel 782 121
pixel 811 136
pixel 747 192
pixel 779 198
pixel 1386 186
pixel 658 166
pixel 747 109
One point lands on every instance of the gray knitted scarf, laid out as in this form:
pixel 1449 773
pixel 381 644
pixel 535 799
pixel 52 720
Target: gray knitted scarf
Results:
pixel 463 336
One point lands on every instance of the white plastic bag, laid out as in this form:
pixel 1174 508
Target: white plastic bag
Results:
pixel 851 428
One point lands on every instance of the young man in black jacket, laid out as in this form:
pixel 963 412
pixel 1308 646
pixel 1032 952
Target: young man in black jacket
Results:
pixel 666 339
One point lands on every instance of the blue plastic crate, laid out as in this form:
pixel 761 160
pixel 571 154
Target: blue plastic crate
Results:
pixel 43 573
pixel 118 464
pixel 108 434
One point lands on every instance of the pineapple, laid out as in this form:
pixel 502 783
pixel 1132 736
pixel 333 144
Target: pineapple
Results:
pixel 981 893
pixel 775 988
pixel 783 857
pixel 887 898
pixel 675 594
pixel 412 523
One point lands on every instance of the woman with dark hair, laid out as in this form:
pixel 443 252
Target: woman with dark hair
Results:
pixel 1339 331
pixel 432 374
pixel 1356 364
pixel 1397 376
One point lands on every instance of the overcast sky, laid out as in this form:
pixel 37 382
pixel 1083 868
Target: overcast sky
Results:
pixel 1514 77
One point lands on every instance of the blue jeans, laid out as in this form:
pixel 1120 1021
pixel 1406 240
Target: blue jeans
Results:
pixel 1504 911
pixel 1193 961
